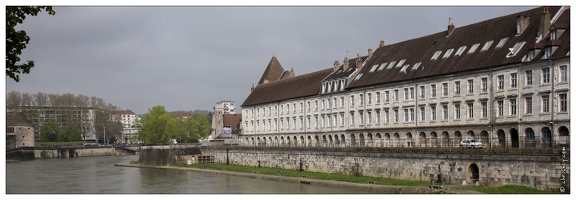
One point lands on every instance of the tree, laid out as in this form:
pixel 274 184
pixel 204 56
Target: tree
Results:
pixel 16 41
pixel 49 132
pixel 157 126
pixel 70 133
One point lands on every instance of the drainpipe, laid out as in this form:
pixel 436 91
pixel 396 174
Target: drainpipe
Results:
pixel 491 100
pixel 553 99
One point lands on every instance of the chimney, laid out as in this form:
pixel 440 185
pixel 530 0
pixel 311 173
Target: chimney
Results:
pixel 252 88
pixel 358 62
pixel 522 22
pixel 369 52
pixel 336 65
pixel 381 43
pixel 450 27
pixel 545 22
pixel 345 64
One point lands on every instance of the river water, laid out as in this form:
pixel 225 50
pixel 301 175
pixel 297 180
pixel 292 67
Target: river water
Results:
pixel 98 175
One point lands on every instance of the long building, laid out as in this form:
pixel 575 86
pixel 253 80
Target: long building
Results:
pixel 504 81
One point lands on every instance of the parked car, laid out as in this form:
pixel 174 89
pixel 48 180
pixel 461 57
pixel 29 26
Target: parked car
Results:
pixel 470 143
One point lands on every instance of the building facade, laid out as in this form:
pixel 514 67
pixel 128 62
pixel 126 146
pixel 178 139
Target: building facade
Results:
pixel 23 131
pixel 503 81
pixel 224 120
pixel 127 118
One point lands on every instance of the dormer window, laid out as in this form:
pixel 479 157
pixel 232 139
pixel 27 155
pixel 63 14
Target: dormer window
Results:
pixel 487 45
pixel 435 56
pixel 374 68
pixel 404 68
pixel 473 48
pixel 460 51
pixel 415 67
pixel 548 52
pixel 501 43
pixel 358 77
pixel 448 53
pixel 391 65
pixel 529 56
pixel 382 66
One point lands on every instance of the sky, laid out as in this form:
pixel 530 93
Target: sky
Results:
pixel 188 57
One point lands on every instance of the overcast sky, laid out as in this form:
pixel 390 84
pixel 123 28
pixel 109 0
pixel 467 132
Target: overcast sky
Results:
pixel 190 57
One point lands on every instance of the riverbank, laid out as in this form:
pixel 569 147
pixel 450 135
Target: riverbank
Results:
pixel 379 189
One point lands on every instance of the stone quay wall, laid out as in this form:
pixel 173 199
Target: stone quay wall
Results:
pixel 539 168
pixel 162 155
pixel 71 152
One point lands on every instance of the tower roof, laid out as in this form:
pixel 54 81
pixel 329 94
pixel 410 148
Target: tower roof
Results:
pixel 273 71
pixel 20 120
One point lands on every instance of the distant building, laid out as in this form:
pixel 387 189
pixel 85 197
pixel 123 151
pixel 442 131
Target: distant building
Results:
pixel 224 120
pixel 127 118
pixel 23 131
pixel 181 114
pixel 83 117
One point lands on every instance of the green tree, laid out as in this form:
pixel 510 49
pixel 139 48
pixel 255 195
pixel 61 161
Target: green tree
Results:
pixel 49 132
pixel 157 126
pixel 201 125
pixel 70 133
pixel 16 41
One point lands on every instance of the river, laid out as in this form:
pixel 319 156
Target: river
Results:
pixel 98 175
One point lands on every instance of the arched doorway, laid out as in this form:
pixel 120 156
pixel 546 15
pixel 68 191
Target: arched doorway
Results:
pixel 324 141
pixel 546 137
pixel 434 139
pixel 353 139
pixel 289 143
pixel 501 138
pixel 336 141
pixel 379 140
pixel 457 138
pixel 370 140
pixel 446 139
pixel 514 138
pixel 470 135
pixel 396 139
pixel 343 139
pixel 282 141
pixel 530 140
pixel 362 140
pixel 564 136
pixel 422 140
pixel 484 138
pixel 309 141
pixel 295 141
pixel 264 141
pixel 330 140
pixel 473 174
pixel 409 139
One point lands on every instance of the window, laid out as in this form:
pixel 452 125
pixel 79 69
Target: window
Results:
pixel 484 109
pixel 528 74
pixel 460 51
pixel 352 118
pixel 316 105
pixel 433 90
pixel 484 85
pixel 405 93
pixel 445 112
pixel 308 122
pixel 351 100
pixel 335 102
pixel 547 52
pixel 341 119
pixel 456 87
pixel 512 106
pixel 335 122
pixel 323 104
pixel 369 98
pixel 396 95
pixel 500 108
pixel 422 92
pixel 415 67
pixel 563 98
pixel 528 101
pixel 341 101
pixel 513 80
pixel 396 115
pixel 435 56
pixel 422 114
pixel 369 117
pixel 470 110
pixel 361 117
pixel 502 42
pixel 301 107
pixel 412 93
pixel 433 112
pixel 377 97
pixel 545 103
pixel 470 86
pixel 563 73
pixel 545 75
pixel 501 82
pixel 386 96
pixel 473 48
pixel 487 45
pixel 294 108
pixel 457 111
pixel 386 116
pixel 444 89
pixel 448 53
pixel 315 121
pixel 361 96
pixel 407 114
pixel 323 121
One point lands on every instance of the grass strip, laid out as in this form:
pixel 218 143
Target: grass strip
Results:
pixel 311 175
pixel 56 144
pixel 509 189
